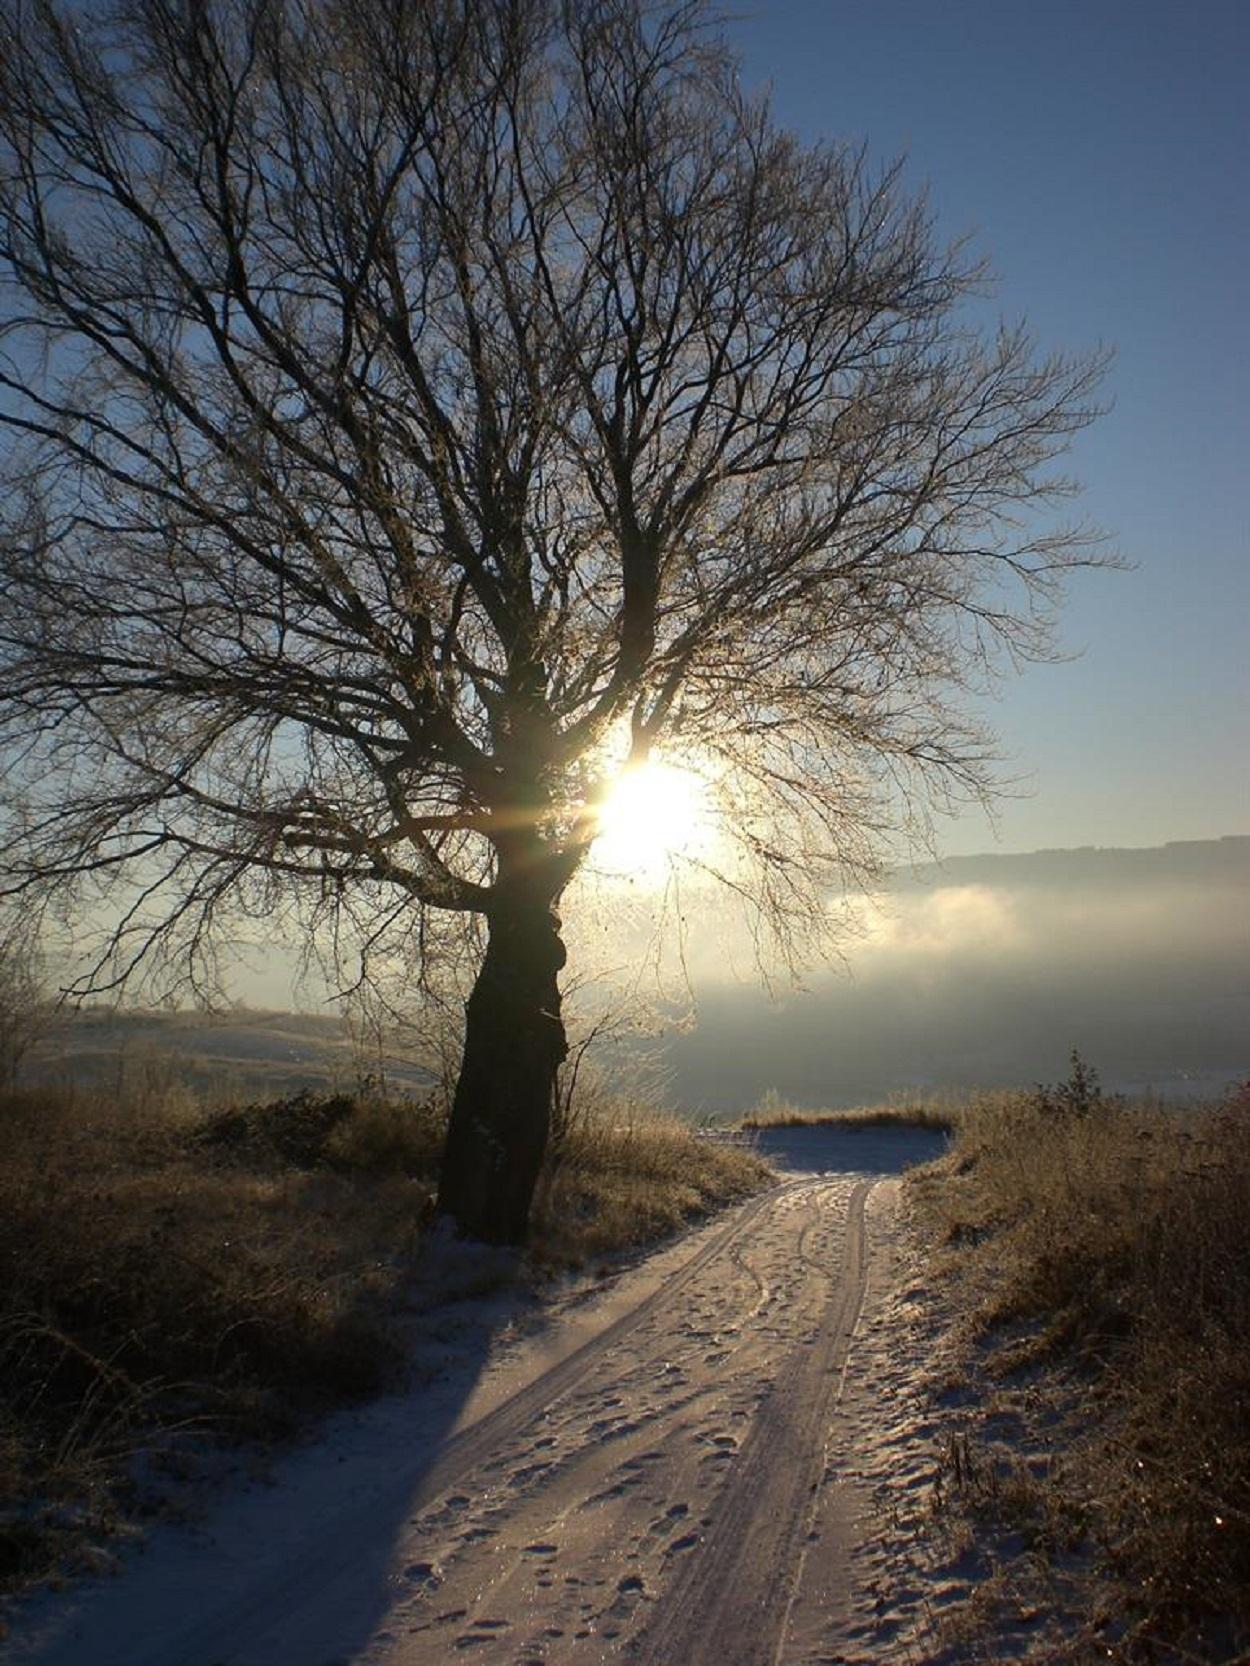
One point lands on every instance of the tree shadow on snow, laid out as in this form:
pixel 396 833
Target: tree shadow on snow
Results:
pixel 303 1564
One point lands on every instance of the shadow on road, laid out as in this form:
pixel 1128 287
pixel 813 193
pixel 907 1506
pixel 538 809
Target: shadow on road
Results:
pixel 299 1565
pixel 880 1149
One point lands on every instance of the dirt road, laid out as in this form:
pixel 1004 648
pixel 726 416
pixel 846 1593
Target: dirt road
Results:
pixel 645 1498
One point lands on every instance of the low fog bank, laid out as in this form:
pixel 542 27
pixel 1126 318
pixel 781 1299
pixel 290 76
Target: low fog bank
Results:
pixel 988 970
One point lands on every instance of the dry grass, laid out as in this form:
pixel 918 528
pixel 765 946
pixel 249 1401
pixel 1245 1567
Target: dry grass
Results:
pixel 1105 1250
pixel 169 1269
pixel 910 1110
pixel 155 1279
pixel 628 1175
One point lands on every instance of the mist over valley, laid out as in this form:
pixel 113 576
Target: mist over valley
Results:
pixel 989 970
pixel 978 971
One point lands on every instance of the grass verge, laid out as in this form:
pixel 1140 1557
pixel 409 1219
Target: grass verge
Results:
pixel 909 1110
pixel 628 1176
pixel 1101 1251
pixel 170 1272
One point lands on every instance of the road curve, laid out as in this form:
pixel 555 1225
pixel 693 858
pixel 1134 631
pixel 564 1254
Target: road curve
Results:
pixel 646 1500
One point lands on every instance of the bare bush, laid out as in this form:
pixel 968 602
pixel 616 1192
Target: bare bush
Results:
pixel 25 1004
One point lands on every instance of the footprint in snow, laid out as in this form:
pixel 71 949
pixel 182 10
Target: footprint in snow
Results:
pixel 428 1574
pixel 527 1472
pixel 640 1460
pixel 482 1632
pixel 686 1542
pixel 617 1490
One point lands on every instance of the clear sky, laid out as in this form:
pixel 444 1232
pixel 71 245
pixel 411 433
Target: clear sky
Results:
pixel 1099 152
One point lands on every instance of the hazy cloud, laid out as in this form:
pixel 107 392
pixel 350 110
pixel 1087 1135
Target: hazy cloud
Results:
pixel 989 970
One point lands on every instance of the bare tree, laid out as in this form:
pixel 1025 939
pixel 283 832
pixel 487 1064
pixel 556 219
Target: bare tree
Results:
pixel 25 1007
pixel 421 408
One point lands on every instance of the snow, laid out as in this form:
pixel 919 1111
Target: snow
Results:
pixel 567 1483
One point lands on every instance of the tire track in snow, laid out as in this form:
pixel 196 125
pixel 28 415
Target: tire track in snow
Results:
pixel 320 1565
pixel 729 1604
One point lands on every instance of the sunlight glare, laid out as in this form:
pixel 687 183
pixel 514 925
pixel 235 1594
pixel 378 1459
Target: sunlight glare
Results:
pixel 654 813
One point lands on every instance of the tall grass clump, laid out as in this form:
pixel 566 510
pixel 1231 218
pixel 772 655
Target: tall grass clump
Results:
pixel 164 1272
pixel 1109 1242
pixel 625 1174
pixel 914 1109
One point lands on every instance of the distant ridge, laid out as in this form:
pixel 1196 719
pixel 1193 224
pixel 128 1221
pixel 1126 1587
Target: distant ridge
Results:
pixel 1180 860
pixel 242 1053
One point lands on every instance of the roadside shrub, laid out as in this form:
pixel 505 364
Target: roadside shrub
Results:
pixel 1121 1240
pixel 1080 1095
pixel 366 1134
pixel 627 1175
pixel 290 1132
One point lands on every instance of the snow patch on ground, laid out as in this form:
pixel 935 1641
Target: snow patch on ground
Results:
pixel 567 1532
pixel 896 1570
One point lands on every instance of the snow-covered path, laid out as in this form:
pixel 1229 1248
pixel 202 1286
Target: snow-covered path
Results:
pixel 637 1484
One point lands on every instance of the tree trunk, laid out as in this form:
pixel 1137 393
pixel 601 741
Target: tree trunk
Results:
pixel 514 1044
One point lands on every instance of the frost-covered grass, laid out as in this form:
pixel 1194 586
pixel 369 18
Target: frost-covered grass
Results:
pixel 1102 1255
pixel 911 1110
pixel 629 1175
pixel 169 1268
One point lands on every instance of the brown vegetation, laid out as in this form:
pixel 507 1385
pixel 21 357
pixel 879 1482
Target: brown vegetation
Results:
pixel 916 1110
pixel 1102 1251
pixel 631 1175
pixel 169 1271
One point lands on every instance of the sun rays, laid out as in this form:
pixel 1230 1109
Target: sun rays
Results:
pixel 656 812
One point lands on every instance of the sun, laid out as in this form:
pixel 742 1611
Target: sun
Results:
pixel 654 813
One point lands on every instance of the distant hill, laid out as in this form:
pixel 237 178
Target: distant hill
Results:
pixel 240 1053
pixel 1207 862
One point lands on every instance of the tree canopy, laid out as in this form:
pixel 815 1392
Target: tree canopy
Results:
pixel 421 409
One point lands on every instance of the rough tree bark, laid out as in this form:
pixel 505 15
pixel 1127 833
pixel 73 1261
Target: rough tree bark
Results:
pixel 514 1045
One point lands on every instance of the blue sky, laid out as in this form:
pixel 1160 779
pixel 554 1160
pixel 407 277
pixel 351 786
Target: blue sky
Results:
pixel 1099 153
